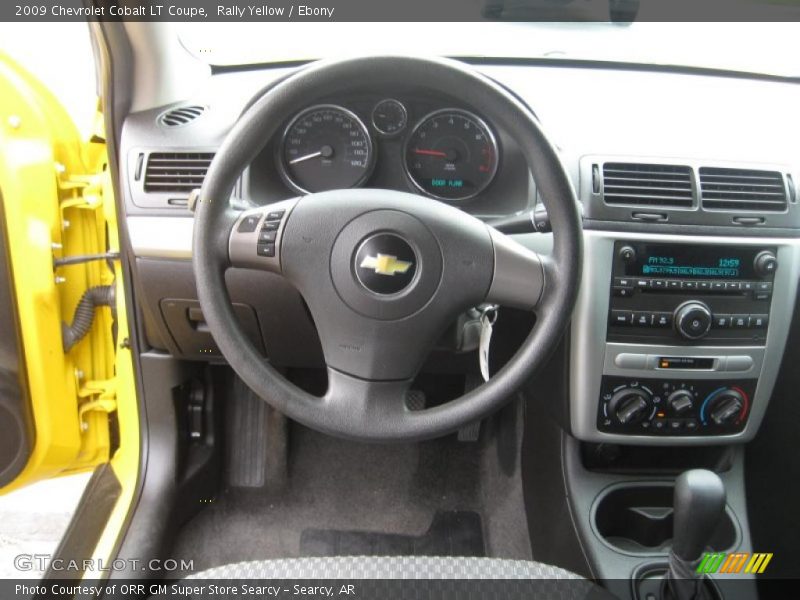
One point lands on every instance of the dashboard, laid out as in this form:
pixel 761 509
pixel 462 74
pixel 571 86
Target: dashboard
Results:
pixel 691 224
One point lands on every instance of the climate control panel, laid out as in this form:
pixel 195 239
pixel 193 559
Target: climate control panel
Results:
pixel 673 407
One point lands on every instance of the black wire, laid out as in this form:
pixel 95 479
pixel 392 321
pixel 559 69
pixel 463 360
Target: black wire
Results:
pixel 83 258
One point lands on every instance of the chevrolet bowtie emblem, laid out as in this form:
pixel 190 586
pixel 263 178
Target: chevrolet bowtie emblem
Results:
pixel 385 264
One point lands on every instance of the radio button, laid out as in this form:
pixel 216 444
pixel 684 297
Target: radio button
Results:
pixel 623 282
pixel 739 321
pixel 621 317
pixel 704 285
pixel 763 286
pixel 722 321
pixel 718 286
pixel 759 321
pixel 674 284
pixel 658 284
pixel 623 292
pixel 748 286
pixel 642 283
pixel 662 319
pixel 762 295
pixel 689 285
pixel 733 286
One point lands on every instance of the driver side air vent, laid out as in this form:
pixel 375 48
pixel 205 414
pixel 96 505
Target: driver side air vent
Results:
pixel 176 171
pixel 742 189
pixel 635 184
pixel 178 117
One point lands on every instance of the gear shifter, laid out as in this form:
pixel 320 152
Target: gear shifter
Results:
pixel 699 502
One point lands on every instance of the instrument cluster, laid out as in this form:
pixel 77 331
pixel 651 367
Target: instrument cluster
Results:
pixel 447 153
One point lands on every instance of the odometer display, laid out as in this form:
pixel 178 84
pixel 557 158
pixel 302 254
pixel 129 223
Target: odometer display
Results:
pixel 451 154
pixel 326 147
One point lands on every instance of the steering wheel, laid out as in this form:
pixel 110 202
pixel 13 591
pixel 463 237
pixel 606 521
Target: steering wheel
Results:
pixel 383 272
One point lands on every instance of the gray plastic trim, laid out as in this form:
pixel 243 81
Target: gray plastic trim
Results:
pixel 619 357
pixel 589 350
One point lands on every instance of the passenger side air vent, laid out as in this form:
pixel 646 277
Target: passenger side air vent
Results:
pixel 176 171
pixel 635 184
pixel 742 189
pixel 178 117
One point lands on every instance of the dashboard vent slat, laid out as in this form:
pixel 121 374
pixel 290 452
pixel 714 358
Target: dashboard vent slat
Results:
pixel 176 171
pixel 635 184
pixel 742 189
pixel 178 117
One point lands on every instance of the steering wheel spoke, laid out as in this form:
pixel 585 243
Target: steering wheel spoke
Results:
pixel 519 274
pixel 256 236
pixel 365 403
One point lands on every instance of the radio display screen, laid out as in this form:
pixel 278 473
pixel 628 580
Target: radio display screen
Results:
pixel 699 262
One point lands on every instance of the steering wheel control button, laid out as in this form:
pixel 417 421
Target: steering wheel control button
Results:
pixel 248 224
pixel 267 250
pixel 267 236
pixel 385 264
pixel 271 226
pixel 276 215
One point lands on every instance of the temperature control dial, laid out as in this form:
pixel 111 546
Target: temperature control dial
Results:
pixel 630 406
pixel 725 407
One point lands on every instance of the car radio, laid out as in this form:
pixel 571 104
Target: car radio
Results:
pixel 690 294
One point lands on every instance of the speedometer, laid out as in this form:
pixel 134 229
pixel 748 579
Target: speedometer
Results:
pixel 326 147
pixel 452 155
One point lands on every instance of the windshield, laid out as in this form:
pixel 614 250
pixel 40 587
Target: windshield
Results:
pixel 768 48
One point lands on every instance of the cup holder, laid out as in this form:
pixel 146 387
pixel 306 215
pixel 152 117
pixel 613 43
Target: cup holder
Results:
pixel 637 519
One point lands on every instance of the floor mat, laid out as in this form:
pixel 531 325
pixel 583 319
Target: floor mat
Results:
pixel 452 533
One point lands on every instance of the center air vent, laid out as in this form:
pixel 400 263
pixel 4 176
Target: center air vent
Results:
pixel 177 117
pixel 176 171
pixel 742 189
pixel 647 184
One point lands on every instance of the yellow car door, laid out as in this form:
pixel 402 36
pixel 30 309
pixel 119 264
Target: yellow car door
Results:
pixel 67 396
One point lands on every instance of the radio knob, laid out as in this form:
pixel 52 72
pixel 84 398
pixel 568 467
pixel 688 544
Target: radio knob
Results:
pixel 680 401
pixel 629 406
pixel 692 319
pixel 627 254
pixel 765 263
pixel 726 407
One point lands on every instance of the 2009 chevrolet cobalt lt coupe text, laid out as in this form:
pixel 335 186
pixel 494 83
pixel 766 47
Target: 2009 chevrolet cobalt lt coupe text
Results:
pixel 525 312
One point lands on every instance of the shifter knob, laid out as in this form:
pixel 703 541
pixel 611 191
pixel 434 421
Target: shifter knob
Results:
pixel 699 502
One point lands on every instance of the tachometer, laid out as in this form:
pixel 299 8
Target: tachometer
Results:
pixel 451 154
pixel 326 147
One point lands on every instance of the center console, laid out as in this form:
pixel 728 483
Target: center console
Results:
pixel 677 339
